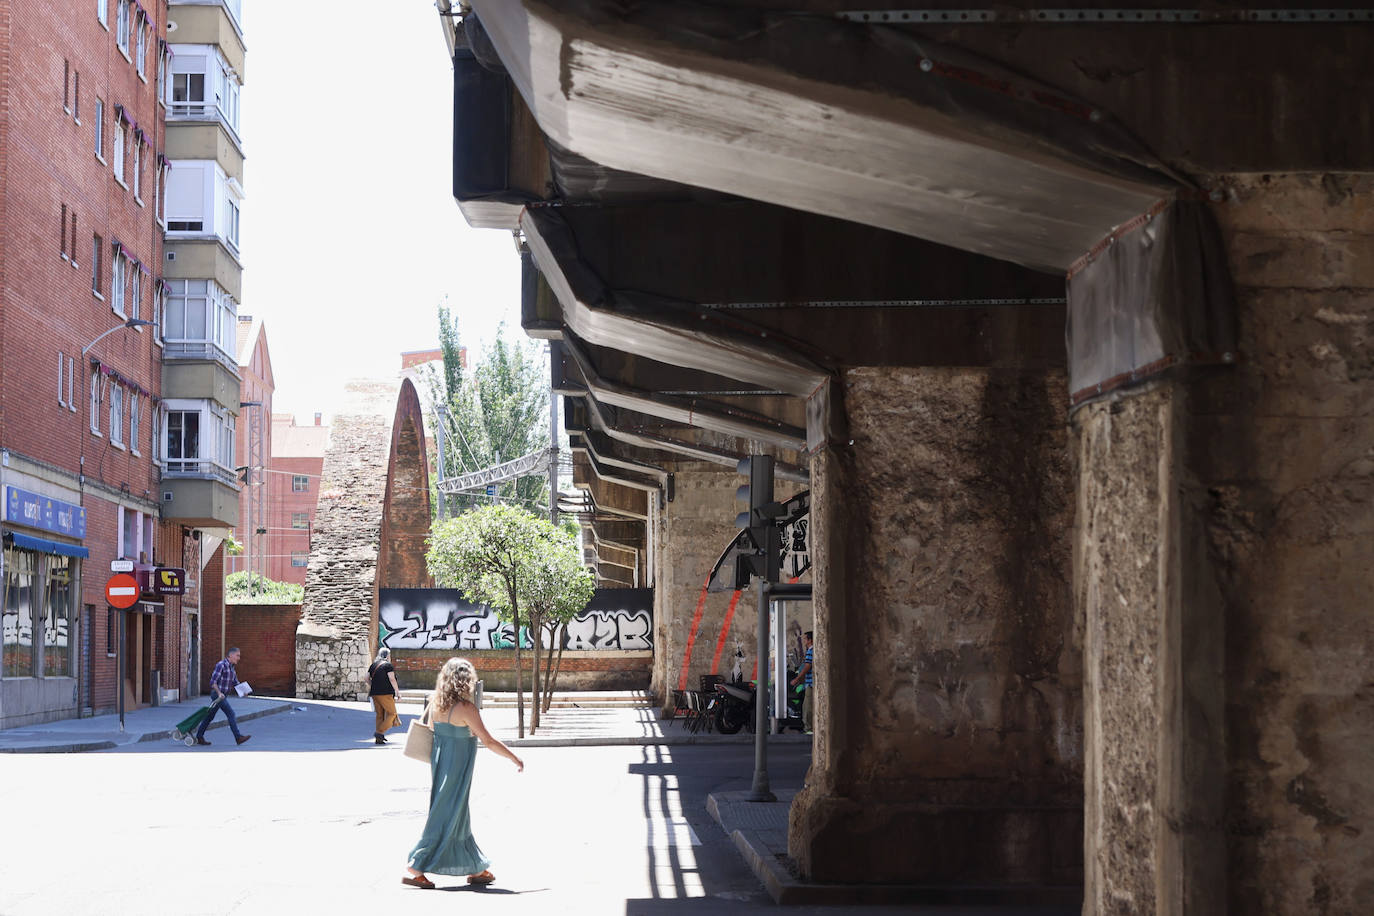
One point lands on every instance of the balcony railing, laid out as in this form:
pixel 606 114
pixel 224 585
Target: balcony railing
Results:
pixel 198 350
pixel 200 469
pixel 202 111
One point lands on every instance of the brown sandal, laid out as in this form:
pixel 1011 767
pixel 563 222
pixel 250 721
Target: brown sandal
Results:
pixel 486 877
pixel 418 881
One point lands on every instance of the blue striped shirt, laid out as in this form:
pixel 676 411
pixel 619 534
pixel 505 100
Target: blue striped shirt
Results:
pixel 810 668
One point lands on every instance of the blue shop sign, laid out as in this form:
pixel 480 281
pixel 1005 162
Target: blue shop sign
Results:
pixel 44 512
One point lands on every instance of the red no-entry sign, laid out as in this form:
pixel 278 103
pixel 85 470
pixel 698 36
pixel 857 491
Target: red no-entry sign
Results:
pixel 122 590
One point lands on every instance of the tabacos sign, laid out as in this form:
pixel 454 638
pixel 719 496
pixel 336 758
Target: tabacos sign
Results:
pixel 44 513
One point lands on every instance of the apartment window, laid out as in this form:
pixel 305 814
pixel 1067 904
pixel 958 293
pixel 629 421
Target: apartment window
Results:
pixel 97 381
pixel 232 233
pixel 57 617
pixel 118 151
pixel 62 232
pixel 141 47
pixel 116 413
pixel 155 429
pixel 136 292
pixel 100 129
pixel 66 381
pixel 183 440
pixel 135 409
pixel 300 519
pixel 188 93
pixel 122 25
pixel 96 254
pixel 73 246
pixel 102 12
pixel 71 384
pixel 200 312
pixel 300 558
pixel 76 96
pixel 137 152
pixel 164 54
pixel 66 85
pixel 20 596
pixel 118 265
pixel 61 379
pixel 300 483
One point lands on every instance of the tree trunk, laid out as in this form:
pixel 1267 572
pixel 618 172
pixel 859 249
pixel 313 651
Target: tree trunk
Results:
pixel 548 668
pixel 534 674
pixel 519 681
pixel 557 666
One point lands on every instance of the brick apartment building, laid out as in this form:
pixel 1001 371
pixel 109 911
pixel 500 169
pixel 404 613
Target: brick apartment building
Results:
pixel 293 486
pixel 120 172
pixel 253 445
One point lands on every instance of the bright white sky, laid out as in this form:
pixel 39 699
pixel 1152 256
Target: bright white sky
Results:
pixel 350 234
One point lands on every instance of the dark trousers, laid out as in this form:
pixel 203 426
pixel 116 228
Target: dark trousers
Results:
pixel 228 714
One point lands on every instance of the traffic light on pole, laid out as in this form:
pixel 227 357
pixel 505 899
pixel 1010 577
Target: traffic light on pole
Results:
pixel 760 518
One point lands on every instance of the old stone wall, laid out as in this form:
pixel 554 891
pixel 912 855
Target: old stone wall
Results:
pixel 333 642
pixel 695 527
pixel 1288 456
pixel 1225 571
pixel 949 741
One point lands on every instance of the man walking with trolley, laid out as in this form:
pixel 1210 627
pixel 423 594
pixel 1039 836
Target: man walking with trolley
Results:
pixel 222 682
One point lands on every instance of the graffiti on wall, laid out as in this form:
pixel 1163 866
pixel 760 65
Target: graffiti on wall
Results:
pixel 439 618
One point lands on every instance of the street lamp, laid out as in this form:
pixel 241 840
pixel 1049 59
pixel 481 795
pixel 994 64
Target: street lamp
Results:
pixel 128 323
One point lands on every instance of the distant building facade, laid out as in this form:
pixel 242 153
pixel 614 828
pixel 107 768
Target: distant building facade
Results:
pixel 293 487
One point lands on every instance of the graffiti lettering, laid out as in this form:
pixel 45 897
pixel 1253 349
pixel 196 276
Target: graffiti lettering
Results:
pixel 439 619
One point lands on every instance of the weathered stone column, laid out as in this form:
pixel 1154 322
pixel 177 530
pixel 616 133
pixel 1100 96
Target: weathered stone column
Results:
pixel 694 528
pixel 948 745
pixel 1225 576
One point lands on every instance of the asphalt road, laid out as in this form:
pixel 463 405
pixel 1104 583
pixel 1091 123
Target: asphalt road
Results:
pixel 310 816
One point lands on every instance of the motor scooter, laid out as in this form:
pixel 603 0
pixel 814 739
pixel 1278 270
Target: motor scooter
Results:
pixel 733 707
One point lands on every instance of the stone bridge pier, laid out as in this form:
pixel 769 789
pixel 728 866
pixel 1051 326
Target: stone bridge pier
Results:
pixel 371 525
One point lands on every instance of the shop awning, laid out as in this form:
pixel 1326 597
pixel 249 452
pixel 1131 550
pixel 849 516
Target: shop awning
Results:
pixel 29 542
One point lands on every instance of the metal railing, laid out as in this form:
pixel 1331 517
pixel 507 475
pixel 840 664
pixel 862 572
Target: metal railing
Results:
pixel 198 349
pixel 199 469
pixel 201 111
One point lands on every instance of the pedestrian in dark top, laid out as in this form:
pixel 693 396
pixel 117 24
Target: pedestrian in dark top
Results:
pixel 807 675
pixel 222 682
pixel 384 692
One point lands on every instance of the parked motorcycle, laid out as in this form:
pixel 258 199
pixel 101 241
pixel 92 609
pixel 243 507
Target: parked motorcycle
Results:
pixel 733 707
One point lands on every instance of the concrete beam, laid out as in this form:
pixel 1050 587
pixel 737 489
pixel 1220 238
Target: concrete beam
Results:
pixel 955 148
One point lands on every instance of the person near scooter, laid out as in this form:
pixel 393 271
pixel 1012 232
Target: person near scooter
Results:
pixel 806 676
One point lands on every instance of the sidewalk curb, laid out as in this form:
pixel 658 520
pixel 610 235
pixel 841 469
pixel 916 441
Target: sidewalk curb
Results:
pixel 76 747
pixel 647 740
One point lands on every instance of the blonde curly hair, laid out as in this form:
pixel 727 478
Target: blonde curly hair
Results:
pixel 454 683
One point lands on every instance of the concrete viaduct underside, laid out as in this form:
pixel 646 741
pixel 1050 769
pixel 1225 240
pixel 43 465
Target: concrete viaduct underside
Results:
pixel 1063 316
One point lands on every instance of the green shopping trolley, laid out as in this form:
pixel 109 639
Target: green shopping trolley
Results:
pixel 185 730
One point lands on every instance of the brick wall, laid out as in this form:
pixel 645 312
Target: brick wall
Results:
pixel 584 670
pixel 266 635
pixel 212 647
pixel 282 504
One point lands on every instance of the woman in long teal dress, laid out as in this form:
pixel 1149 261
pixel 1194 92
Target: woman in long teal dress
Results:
pixel 446 846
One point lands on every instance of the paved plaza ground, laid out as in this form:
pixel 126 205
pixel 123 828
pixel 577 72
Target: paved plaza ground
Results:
pixel 311 816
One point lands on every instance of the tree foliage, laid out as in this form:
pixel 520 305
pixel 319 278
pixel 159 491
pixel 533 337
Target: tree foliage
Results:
pixel 497 412
pixel 250 588
pixel 522 566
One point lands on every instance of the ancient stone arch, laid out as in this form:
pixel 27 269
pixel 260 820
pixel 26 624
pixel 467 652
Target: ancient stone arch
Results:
pixel 370 529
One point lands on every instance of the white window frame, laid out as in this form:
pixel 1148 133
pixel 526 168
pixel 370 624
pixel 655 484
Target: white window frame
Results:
pixel 141 48
pixel 102 13
pixel 97 381
pixel 100 129
pixel 156 422
pixel 137 157
pixel 123 26
pixel 118 267
pixel 117 154
pixel 303 556
pixel 97 262
pixel 116 414
pixel 215 434
pixel 303 516
pixel 136 292
pixel 135 410
pixel 305 479
pixel 61 377
pixel 219 316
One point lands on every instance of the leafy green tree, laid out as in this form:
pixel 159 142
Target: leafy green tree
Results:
pixel 559 588
pixel 497 412
pixel 250 588
pixel 523 567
